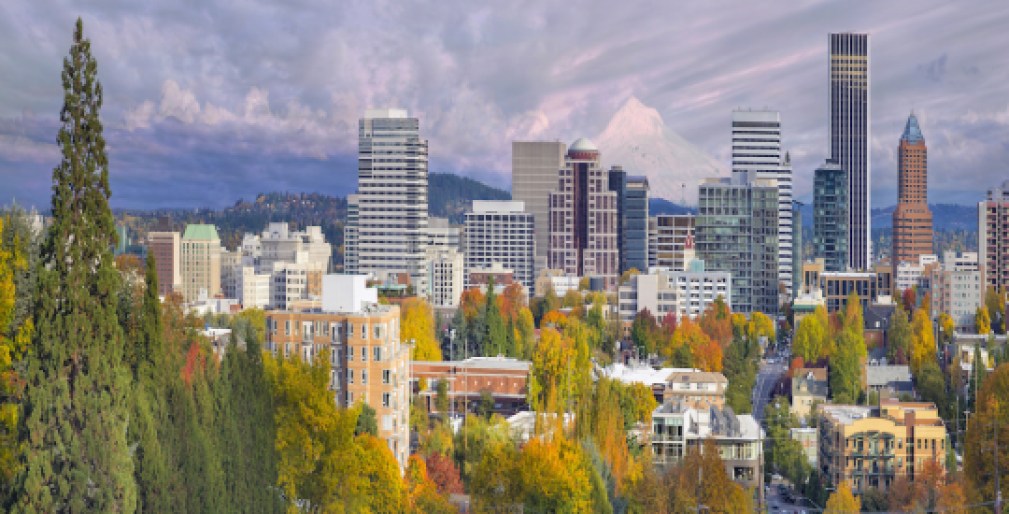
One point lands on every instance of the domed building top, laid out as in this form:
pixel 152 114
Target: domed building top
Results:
pixel 583 145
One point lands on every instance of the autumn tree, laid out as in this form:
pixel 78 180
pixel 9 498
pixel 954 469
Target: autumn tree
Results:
pixel 923 347
pixel 73 432
pixel 644 330
pixel 990 421
pixel 422 494
pixel 716 322
pixel 702 480
pixel 690 346
pixel 495 337
pixel 417 325
pixel 842 501
pixel 15 335
pixel 995 303
pixel 946 327
pixel 982 320
pixel 811 336
pixel 846 368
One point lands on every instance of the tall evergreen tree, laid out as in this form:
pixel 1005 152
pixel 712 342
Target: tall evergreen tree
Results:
pixel 497 334
pixel 74 453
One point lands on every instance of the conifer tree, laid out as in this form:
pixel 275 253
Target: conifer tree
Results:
pixel 497 332
pixel 74 454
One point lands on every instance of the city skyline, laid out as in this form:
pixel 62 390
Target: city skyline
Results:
pixel 207 105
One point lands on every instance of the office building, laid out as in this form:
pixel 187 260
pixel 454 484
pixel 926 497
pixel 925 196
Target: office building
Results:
pixel 684 293
pixel 446 275
pixel 870 447
pixel 850 134
pixel 201 263
pixel 993 237
pixel 368 362
pixel 583 218
pixel 387 227
pixel 958 288
pixel 830 216
pixel 668 235
pixel 534 175
pixel 632 218
pixel 912 219
pixel 166 248
pixel 756 149
pixel 278 243
pixel 442 233
pixel 797 248
pixel 737 232
pixel 907 274
pixel 501 232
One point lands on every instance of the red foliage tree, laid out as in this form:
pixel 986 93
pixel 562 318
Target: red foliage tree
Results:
pixel 444 473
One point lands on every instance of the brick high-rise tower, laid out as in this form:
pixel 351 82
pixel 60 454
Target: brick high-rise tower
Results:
pixel 912 220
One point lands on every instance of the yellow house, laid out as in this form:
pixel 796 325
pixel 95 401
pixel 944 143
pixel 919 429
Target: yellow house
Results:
pixel 870 447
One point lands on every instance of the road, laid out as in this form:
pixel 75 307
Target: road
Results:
pixel 767 377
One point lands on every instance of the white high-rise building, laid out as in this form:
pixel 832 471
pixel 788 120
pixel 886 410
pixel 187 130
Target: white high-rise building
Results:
pixel 387 225
pixel 445 275
pixel 756 147
pixel 501 232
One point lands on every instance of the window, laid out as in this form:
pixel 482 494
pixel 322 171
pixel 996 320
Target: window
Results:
pixel 364 376
pixel 364 331
pixel 364 353
pixel 386 399
pixel 287 327
pixel 350 376
pixel 350 330
pixel 378 354
pixel 386 376
pixel 350 398
pixel 378 331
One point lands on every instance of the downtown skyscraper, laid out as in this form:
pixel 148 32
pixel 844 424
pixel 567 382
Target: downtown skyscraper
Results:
pixel 850 134
pixel 912 220
pixel 756 149
pixel 386 230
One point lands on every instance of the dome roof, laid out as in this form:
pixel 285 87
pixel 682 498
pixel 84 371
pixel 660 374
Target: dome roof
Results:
pixel 583 145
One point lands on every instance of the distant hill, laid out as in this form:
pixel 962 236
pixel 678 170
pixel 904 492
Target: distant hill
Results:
pixel 662 206
pixel 450 196
pixel 945 217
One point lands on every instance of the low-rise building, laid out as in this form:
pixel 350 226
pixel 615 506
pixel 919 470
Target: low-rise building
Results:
pixel 889 380
pixel 739 439
pixel 685 293
pixel 506 380
pixel 870 447
pixel 368 361
pixel 957 288
pixel 809 388
pixel 807 438
pixel 556 281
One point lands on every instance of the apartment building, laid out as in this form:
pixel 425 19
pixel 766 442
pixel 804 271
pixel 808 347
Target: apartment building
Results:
pixel 501 232
pixel 993 237
pixel 685 293
pixel 167 250
pixel 368 362
pixel 668 235
pixel 869 447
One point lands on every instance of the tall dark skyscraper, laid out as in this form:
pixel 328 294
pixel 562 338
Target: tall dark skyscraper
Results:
pixel 850 133
pixel 632 219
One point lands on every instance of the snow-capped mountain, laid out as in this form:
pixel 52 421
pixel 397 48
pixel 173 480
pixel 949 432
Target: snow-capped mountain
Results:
pixel 637 139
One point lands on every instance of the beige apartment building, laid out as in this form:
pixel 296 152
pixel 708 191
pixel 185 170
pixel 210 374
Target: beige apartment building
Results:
pixel 870 447
pixel 368 361
pixel 201 262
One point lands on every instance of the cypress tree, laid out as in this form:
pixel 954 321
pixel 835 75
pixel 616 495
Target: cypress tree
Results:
pixel 74 453
pixel 496 334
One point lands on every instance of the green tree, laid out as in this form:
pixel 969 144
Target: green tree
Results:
pixel 367 423
pixel 899 337
pixel 846 368
pixel 496 335
pixel 989 422
pixel 644 330
pixel 994 303
pixel 73 432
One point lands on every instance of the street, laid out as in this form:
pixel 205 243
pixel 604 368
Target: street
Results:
pixel 767 377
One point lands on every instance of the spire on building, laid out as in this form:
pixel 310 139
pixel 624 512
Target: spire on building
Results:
pixel 912 133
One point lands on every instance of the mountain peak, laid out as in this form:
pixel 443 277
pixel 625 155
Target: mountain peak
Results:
pixel 638 139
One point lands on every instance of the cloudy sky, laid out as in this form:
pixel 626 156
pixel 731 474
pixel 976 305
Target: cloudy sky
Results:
pixel 210 101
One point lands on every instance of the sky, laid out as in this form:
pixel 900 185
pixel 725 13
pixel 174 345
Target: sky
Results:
pixel 212 101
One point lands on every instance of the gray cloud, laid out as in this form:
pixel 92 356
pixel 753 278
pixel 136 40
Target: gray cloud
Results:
pixel 210 101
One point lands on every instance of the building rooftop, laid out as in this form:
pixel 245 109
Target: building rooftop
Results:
pixel 912 133
pixel 583 145
pixel 200 232
pixel 502 363
pixel 882 375
pixel 642 374
pixel 846 414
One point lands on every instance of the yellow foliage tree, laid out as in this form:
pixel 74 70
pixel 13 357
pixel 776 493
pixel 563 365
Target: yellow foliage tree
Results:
pixel 551 375
pixel 554 476
pixel 982 320
pixel 421 492
pixel 922 341
pixel 842 501
pixel 12 349
pixel 760 325
pixel 417 325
